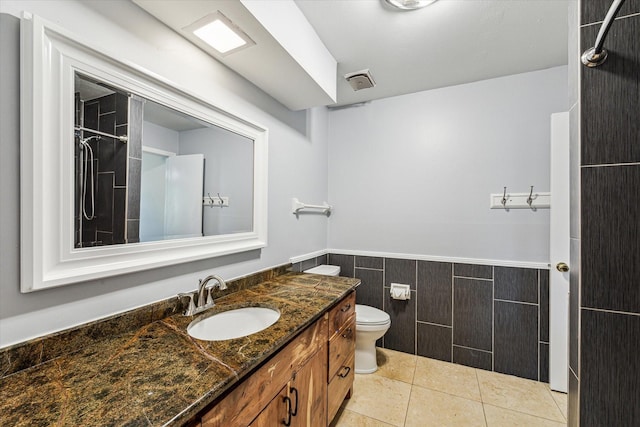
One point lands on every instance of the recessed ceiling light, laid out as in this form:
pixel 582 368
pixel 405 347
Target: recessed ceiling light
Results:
pixel 409 4
pixel 217 31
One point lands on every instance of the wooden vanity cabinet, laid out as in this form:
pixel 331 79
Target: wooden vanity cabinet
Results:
pixel 303 384
pixel 342 345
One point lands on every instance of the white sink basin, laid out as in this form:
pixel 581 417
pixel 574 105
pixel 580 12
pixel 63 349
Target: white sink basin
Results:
pixel 233 323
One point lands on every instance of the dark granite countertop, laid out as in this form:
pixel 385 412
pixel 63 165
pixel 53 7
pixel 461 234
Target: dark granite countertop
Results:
pixel 158 375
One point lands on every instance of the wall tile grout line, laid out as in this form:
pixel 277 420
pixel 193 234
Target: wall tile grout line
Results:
pixel 539 304
pixel 471 348
pixel 603 310
pixel 516 302
pixel 493 319
pixel 474 278
pixel 434 324
pixel 452 306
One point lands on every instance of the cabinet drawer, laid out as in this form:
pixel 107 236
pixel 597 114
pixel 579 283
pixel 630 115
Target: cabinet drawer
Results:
pixel 339 386
pixel 339 315
pixel 342 346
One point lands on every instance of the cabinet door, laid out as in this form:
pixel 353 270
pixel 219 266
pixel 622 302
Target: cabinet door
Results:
pixel 276 413
pixel 308 392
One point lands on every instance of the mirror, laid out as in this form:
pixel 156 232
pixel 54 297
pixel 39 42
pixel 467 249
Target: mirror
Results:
pixel 122 170
pixel 145 172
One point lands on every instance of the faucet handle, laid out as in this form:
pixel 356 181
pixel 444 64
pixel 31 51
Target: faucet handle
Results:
pixel 209 297
pixel 192 305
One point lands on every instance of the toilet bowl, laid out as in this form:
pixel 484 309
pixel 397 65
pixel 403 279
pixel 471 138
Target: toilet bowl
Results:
pixel 371 325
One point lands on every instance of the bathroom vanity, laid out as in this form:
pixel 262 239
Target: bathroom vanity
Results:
pixel 298 370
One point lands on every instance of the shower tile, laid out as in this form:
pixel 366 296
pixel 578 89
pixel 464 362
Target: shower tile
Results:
pixel 104 202
pixel 401 336
pixel 473 271
pixel 91 115
pixel 108 104
pixel 296 267
pixel 119 214
pixel 107 123
pixel 609 369
pixel 472 313
pixel 574 304
pixel 612 88
pixel 434 341
pixel 133 189
pixel 544 363
pixel 105 155
pixel 516 339
pixel 400 271
pixel 104 238
pixel 574 172
pixel 473 358
pixel 370 291
pixel 369 262
pixel 434 292
pixel 133 231
pixel 122 109
pixel 544 305
pixel 516 284
pixel 344 261
pixel 610 238
pixel 596 10
pixel 136 116
pixel 120 163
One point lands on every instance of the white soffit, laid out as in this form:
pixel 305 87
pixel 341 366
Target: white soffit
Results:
pixel 288 61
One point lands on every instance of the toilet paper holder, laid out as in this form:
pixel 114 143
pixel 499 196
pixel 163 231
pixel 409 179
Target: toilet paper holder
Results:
pixel 400 292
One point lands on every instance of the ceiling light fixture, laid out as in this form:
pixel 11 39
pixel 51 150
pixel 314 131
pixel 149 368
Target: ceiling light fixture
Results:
pixel 217 31
pixel 408 4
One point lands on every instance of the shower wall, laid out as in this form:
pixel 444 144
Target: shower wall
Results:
pixel 109 114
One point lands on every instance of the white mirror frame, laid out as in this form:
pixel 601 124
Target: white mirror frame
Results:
pixel 49 58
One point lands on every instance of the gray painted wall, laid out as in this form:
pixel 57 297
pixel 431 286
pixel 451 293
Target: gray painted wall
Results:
pixel 412 174
pixel 297 167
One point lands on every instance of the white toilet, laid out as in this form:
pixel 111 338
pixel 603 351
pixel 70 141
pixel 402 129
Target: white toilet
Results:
pixel 371 325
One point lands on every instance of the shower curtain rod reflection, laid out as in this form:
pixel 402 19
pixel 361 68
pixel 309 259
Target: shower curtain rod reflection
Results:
pixel 122 138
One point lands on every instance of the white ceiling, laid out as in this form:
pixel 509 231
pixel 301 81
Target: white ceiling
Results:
pixel 447 43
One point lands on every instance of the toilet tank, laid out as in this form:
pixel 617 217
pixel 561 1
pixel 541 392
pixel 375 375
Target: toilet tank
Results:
pixel 325 270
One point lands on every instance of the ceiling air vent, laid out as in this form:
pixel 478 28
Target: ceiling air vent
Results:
pixel 360 80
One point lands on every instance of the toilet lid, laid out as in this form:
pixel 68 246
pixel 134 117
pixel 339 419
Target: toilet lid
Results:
pixel 370 315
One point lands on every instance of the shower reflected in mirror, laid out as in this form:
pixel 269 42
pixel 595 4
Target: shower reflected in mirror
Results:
pixel 145 172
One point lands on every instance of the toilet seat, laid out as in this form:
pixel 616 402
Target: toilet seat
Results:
pixel 371 316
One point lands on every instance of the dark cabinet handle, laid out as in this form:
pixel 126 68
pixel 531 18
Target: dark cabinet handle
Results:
pixel 345 372
pixel 295 407
pixel 287 421
pixel 346 308
pixel 347 333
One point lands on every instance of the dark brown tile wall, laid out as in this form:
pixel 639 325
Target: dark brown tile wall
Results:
pixel 451 316
pixel 605 299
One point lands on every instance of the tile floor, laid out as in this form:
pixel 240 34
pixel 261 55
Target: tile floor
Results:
pixel 413 391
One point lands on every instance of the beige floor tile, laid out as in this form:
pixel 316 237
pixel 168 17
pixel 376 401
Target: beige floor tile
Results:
pixel 500 417
pixel 518 394
pixel 447 377
pixel 396 365
pixel 380 398
pixel 433 408
pixel 561 401
pixel 347 418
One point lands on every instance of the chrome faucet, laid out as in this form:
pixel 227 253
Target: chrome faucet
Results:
pixel 203 303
